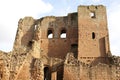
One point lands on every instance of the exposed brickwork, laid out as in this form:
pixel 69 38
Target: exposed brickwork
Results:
pixel 41 53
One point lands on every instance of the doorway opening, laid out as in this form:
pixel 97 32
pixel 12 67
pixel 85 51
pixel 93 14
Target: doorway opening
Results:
pixel 46 73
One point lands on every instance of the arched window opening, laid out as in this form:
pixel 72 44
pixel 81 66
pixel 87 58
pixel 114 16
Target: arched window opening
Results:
pixel 63 33
pixel 50 34
pixel 93 35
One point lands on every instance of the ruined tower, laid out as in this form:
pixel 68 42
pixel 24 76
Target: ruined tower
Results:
pixel 93 37
pixel 72 47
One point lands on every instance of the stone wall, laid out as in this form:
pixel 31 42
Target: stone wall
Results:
pixel 83 52
pixel 54 46
pixel 71 68
pixel 25 33
pixel 93 33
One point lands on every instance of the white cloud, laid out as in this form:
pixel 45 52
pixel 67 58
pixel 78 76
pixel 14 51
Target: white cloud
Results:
pixel 96 1
pixel 22 8
pixel 11 11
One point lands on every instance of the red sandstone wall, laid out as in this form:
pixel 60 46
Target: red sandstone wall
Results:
pixel 98 72
pixel 25 33
pixel 71 72
pixel 24 72
pixel 56 46
pixel 93 32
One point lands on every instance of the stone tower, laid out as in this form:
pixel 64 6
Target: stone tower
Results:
pixel 93 34
pixel 72 47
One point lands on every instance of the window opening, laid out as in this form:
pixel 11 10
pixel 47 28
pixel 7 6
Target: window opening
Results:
pixel 92 14
pixel 30 43
pixel 35 27
pixel 50 34
pixel 74 49
pixel 63 34
pixel 93 35
pixel 96 7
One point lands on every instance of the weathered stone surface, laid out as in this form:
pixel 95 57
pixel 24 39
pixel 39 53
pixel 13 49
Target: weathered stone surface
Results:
pixel 83 52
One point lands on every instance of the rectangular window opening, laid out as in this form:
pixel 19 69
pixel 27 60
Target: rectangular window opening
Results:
pixel 92 15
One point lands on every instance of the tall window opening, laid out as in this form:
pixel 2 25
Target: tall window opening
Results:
pixel 93 35
pixel 35 27
pixel 50 33
pixel 63 33
pixel 92 15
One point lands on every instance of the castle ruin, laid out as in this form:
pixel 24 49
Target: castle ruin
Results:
pixel 72 47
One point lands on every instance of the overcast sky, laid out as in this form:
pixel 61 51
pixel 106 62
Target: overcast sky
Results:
pixel 12 10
